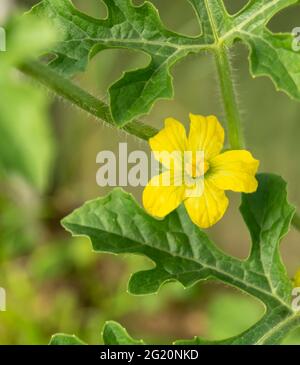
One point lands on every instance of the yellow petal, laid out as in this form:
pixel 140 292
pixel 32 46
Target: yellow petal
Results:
pixel 209 208
pixel 171 139
pixel 160 199
pixel 206 134
pixel 234 170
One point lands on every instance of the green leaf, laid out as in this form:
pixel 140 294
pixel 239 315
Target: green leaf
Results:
pixel 113 334
pixel 268 216
pixel 182 252
pixel 137 28
pixel 63 339
pixel 270 54
pixel 26 141
pixel 140 28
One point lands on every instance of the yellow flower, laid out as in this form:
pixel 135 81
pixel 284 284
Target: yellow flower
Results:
pixel 297 279
pixel 231 170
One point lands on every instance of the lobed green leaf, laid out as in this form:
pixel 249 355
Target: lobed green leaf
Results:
pixel 114 334
pixel 182 252
pixel 140 28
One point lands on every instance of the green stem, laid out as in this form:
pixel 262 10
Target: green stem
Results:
pixel 235 132
pixel 74 94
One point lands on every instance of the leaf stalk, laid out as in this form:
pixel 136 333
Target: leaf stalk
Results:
pixel 235 132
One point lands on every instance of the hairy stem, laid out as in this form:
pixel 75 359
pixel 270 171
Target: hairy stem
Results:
pixel 74 94
pixel 235 132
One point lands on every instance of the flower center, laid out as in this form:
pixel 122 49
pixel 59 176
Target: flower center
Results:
pixel 197 170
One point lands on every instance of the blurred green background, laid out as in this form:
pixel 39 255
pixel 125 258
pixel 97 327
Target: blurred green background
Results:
pixel 54 282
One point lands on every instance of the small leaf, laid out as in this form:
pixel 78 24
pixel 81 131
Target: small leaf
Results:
pixel 27 146
pixel 271 54
pixel 63 339
pixel 114 334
